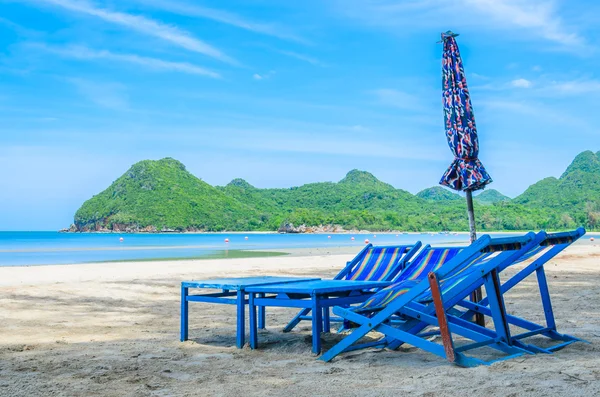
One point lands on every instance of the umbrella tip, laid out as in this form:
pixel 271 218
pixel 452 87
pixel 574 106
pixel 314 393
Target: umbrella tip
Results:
pixel 448 33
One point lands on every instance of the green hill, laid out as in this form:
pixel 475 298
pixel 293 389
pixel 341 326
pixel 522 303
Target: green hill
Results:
pixel 358 201
pixel 575 195
pixel 490 196
pixel 438 193
pixel 162 196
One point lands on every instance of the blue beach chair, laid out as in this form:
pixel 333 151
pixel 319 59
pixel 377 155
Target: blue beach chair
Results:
pixel 550 245
pixel 373 263
pixel 432 301
pixel 547 247
pixel 429 259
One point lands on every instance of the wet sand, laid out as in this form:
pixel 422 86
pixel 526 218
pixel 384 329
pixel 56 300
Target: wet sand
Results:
pixel 112 329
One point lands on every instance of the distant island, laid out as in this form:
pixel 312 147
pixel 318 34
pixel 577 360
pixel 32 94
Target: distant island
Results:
pixel 162 196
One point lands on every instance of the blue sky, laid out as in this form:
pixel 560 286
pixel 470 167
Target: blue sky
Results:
pixel 281 93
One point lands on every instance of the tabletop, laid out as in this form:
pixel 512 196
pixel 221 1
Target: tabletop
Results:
pixel 318 286
pixel 239 283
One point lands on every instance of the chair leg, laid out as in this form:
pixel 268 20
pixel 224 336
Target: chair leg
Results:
pixel 326 320
pixel 497 306
pixel 440 313
pixel 253 325
pixel 296 320
pixel 261 314
pixel 184 315
pixel 317 325
pixel 345 343
pixel 241 319
pixel 545 295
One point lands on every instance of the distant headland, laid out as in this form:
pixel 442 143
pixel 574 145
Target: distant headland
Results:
pixel 162 196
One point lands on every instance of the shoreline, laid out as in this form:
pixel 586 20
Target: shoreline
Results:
pixel 214 252
pixel 112 329
pixel 479 232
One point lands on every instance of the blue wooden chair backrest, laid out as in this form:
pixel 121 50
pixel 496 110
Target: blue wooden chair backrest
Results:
pixel 428 260
pixel 555 242
pixel 453 277
pixel 375 263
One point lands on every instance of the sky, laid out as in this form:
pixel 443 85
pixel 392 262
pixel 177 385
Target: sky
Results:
pixel 283 93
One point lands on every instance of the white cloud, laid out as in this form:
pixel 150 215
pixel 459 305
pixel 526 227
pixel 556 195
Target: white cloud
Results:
pixel 396 98
pixel 359 128
pixel 105 94
pixel 478 76
pixel 302 57
pixel 574 87
pixel 521 83
pixel 286 140
pixel 264 76
pixel 539 18
pixel 193 10
pixel 536 68
pixel 536 110
pixel 84 53
pixel 21 30
pixel 545 88
pixel 146 26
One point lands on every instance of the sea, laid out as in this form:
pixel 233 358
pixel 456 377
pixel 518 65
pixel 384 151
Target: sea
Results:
pixel 49 248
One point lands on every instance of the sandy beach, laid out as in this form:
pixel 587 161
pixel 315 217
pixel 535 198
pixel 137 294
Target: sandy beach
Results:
pixel 112 329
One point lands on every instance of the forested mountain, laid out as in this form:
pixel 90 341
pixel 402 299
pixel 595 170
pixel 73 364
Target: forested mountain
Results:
pixel 575 195
pixel 163 196
pixel 438 193
pixel 490 196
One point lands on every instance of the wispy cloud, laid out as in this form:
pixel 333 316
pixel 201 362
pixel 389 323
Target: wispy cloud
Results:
pixel 264 76
pixel 84 53
pixel 521 83
pixel 193 10
pixel 105 94
pixel 396 98
pixel 479 76
pixel 539 18
pixel 545 87
pixel 146 26
pixel 537 110
pixel 302 57
pixel 574 87
pixel 288 140
pixel 21 30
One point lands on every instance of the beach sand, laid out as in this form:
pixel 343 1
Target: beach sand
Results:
pixel 113 330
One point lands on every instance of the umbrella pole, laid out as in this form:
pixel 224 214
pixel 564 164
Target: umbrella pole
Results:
pixel 477 295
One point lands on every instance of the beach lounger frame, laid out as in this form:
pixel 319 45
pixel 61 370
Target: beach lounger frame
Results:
pixel 549 245
pixel 552 244
pixel 436 313
pixel 408 251
pixel 232 293
pixel 419 266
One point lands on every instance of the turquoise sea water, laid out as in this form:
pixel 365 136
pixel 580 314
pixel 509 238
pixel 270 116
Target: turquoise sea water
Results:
pixel 45 248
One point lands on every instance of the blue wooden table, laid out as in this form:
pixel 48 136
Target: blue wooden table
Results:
pixel 232 293
pixel 317 295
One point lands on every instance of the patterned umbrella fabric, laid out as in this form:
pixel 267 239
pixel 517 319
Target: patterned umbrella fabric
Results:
pixel 466 171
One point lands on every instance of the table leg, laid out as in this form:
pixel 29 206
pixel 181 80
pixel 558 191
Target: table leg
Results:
pixel 253 328
pixel 317 323
pixel 326 322
pixel 261 314
pixel 241 320
pixel 184 315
